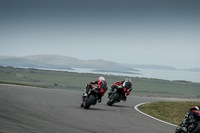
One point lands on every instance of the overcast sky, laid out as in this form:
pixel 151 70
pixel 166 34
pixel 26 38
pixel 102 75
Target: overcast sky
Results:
pixel 158 32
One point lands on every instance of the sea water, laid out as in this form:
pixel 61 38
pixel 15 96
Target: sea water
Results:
pixel 150 73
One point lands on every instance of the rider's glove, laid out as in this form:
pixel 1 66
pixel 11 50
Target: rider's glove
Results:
pixel 86 85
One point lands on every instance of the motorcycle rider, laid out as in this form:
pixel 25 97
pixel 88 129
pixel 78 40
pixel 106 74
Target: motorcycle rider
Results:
pixel 127 87
pixel 101 85
pixel 189 118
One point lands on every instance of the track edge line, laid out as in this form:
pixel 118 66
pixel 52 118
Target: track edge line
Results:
pixel 136 108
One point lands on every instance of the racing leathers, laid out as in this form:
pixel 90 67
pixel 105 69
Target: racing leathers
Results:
pixel 126 86
pixel 101 86
pixel 190 117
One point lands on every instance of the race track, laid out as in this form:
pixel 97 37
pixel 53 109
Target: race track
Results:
pixel 37 110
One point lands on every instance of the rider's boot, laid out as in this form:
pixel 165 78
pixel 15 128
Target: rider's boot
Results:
pixel 124 97
pixel 81 104
pixel 99 100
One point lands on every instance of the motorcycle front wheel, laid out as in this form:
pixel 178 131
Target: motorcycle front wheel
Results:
pixel 178 129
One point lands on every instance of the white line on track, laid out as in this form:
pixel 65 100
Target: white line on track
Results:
pixel 136 108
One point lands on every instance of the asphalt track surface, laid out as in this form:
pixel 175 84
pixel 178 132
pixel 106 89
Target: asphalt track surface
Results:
pixel 37 110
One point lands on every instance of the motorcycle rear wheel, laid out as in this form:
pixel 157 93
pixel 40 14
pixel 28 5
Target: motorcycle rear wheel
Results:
pixel 89 101
pixel 113 99
pixel 196 129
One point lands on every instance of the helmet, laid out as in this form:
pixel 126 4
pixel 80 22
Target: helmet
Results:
pixel 101 78
pixel 128 80
pixel 194 108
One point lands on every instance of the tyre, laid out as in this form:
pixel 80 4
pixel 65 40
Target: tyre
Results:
pixel 196 129
pixel 114 98
pixel 89 102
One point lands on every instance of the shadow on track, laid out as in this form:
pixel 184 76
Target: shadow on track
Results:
pixel 122 106
pixel 91 108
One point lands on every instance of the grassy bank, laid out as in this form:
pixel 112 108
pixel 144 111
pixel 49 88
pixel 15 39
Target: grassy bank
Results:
pixel 77 81
pixel 172 112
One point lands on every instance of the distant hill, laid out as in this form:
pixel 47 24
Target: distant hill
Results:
pixel 25 62
pixel 59 62
pixel 63 62
pixel 160 67
pixel 192 69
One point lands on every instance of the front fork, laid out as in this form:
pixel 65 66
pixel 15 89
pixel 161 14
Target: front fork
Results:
pixel 83 100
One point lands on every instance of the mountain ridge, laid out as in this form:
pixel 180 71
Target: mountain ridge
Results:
pixel 59 62
pixel 63 62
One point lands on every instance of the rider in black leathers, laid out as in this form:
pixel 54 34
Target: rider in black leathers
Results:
pixel 189 118
pixel 101 86
pixel 126 86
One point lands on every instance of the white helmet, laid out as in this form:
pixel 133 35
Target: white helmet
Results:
pixel 101 78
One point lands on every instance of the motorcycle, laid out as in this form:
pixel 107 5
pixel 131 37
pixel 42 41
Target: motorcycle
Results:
pixel 91 98
pixel 116 96
pixel 192 125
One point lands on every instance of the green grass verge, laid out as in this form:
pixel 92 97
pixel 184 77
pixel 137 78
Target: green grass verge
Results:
pixel 77 81
pixel 172 112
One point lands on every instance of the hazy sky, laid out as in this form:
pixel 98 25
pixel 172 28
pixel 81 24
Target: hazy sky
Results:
pixel 159 32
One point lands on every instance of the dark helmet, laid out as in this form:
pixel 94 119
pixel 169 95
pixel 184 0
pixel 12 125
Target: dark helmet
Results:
pixel 127 80
pixel 127 83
